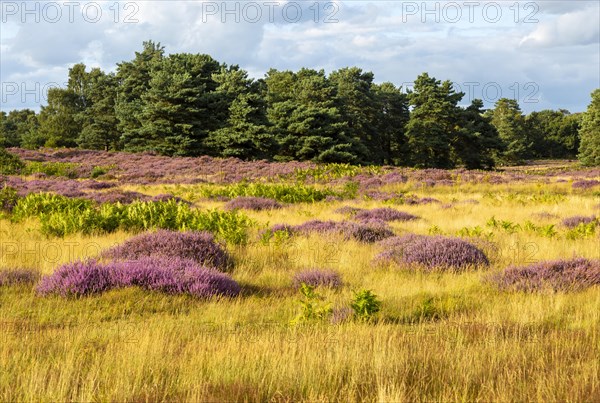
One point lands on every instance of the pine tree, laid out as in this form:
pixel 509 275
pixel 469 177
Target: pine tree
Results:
pixel 589 151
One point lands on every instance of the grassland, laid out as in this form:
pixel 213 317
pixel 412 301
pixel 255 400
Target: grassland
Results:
pixel 439 336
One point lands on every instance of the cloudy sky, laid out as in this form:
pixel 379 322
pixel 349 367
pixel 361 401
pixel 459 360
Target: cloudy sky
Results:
pixel 545 54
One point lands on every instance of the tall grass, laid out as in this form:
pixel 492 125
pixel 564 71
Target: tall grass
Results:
pixel 438 336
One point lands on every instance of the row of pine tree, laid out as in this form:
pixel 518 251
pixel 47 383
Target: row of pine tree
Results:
pixel 190 104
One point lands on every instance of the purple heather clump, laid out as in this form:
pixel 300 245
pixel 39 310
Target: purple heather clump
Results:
pixel 384 214
pixel 165 274
pixel 363 232
pixel 18 276
pixel 341 314
pixel 253 203
pixel 173 275
pixel 77 279
pixel 572 222
pixel 585 184
pixel 432 252
pixel 348 210
pixel 198 246
pixel 96 185
pixel 558 275
pixel 316 278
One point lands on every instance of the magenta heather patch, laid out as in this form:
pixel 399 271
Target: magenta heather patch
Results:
pixel 77 279
pixel 572 222
pixel 431 252
pixel 118 196
pixel 558 275
pixel 197 246
pixel 585 184
pixel 317 277
pixel 384 214
pixel 168 275
pixel 253 203
pixel 368 232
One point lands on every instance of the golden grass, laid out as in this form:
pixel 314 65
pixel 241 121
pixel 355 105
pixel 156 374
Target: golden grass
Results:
pixel 441 336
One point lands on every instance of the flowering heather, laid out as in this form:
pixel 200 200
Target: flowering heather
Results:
pixel 197 246
pixel 96 185
pixel 431 252
pixel 348 210
pixel 368 232
pixel 253 203
pixel 384 214
pixel 168 275
pixel 572 222
pixel 77 279
pixel 316 277
pixel 18 276
pixel 585 184
pixel 558 275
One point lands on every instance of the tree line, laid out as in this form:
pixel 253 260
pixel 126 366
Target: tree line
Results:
pixel 190 104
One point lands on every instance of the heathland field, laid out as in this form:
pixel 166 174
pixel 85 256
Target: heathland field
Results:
pixel 133 277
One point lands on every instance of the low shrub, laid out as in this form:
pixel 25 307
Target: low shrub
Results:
pixel 49 168
pixel 363 232
pixel 197 246
pixel 348 210
pixel 60 216
pixel 10 164
pixel 168 275
pixel 432 252
pixel 281 192
pixel 316 278
pixel 8 198
pixel 18 276
pixel 585 184
pixel 253 203
pixel 384 214
pixel 572 222
pixel 557 275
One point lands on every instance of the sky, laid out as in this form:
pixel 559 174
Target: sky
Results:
pixel 544 54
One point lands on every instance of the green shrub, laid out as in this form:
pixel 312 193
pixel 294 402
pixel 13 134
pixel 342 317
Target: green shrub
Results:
pixel 8 198
pixel 61 216
pixel 365 305
pixel 312 306
pixel 66 169
pixel 280 192
pixel 10 164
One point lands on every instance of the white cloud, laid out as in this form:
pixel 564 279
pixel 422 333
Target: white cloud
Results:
pixel 560 53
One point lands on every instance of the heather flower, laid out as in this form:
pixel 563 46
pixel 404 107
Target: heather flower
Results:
pixel 197 246
pixel 431 252
pixel 558 275
pixel 544 215
pixel 368 232
pixel 77 279
pixel 168 275
pixel 315 278
pixel 572 222
pixel 348 210
pixel 253 203
pixel 585 184
pixel 384 214
pixel 18 276
pixel 96 185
